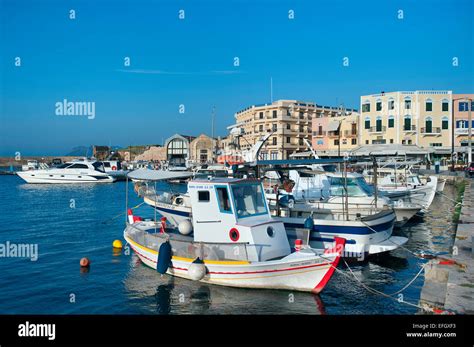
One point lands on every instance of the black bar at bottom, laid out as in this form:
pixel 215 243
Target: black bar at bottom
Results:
pixel 291 330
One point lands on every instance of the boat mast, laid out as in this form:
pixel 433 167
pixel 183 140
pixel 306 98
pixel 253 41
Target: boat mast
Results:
pixel 375 179
pixel 346 196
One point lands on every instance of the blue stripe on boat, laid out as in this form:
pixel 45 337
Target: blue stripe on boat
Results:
pixel 167 210
pixel 337 229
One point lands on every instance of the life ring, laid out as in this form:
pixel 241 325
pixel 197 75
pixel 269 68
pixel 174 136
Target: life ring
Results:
pixel 114 168
pixel 234 234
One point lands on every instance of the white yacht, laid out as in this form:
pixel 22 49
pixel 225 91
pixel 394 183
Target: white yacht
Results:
pixel 78 171
pixel 317 191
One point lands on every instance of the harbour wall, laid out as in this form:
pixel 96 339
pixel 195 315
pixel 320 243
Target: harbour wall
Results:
pixel 449 280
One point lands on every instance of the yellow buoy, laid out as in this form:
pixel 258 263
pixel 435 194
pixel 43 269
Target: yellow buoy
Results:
pixel 117 244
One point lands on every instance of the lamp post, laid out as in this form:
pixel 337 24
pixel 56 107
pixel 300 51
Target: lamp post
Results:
pixel 341 113
pixel 469 127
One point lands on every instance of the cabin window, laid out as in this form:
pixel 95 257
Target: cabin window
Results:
pixel 249 200
pixel 203 196
pixel 223 199
pixel 78 166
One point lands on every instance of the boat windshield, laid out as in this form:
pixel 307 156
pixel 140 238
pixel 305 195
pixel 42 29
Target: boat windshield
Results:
pixel 368 189
pixel 414 180
pixel 99 166
pixel 355 186
pixel 63 166
pixel 249 200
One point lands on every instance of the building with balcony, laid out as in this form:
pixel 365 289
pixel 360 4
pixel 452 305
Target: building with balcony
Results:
pixel 461 118
pixel 292 122
pixel 421 118
pixel 288 120
pixel 335 130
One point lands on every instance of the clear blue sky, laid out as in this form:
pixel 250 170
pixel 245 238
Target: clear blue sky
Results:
pixel 190 62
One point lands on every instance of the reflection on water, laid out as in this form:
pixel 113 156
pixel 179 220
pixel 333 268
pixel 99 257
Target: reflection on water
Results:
pixel 173 295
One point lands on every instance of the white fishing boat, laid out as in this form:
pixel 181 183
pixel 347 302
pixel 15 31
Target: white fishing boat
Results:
pixel 78 171
pixel 411 189
pixel 232 240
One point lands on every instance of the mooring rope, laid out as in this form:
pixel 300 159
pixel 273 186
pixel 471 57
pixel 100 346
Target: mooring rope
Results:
pixel 401 246
pixel 452 200
pixel 121 214
pixel 378 292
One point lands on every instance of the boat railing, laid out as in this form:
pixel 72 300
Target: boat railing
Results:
pixel 184 247
pixel 335 208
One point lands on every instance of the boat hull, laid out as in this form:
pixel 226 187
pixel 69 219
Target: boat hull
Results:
pixel 31 177
pixel 301 271
pixel 368 236
pixel 422 196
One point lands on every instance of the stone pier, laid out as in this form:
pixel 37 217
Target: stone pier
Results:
pixel 449 283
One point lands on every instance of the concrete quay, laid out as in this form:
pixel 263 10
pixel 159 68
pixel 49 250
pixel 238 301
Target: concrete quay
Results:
pixel 449 281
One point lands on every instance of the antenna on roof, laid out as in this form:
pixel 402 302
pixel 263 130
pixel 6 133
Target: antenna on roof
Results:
pixel 271 90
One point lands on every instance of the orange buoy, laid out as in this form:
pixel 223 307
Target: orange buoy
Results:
pixel 85 262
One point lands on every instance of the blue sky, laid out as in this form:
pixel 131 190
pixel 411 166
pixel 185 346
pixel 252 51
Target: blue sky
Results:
pixel 190 62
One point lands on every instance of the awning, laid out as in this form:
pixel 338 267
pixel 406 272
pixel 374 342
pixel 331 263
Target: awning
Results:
pixel 305 154
pixel 334 125
pixel 157 175
pixel 390 150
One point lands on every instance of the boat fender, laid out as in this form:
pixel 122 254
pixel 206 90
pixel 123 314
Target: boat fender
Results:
pixel 197 270
pixel 114 168
pixel 185 227
pixel 164 258
pixel 309 223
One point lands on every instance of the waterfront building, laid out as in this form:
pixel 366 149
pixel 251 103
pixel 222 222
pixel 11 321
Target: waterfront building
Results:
pixel 461 118
pixel 335 131
pixel 290 121
pixel 202 149
pixel 100 152
pixel 178 149
pixel 421 118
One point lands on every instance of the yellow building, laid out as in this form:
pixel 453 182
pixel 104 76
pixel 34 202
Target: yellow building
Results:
pixel 408 117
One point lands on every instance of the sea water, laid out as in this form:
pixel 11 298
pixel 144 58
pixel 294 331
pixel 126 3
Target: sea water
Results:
pixel 69 222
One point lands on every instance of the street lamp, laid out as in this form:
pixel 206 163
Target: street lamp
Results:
pixel 469 127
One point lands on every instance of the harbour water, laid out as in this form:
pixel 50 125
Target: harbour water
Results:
pixel 69 222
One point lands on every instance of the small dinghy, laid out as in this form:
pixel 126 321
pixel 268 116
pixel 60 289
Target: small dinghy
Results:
pixel 232 240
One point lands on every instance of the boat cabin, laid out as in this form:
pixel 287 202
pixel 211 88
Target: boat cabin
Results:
pixel 356 185
pixel 230 210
